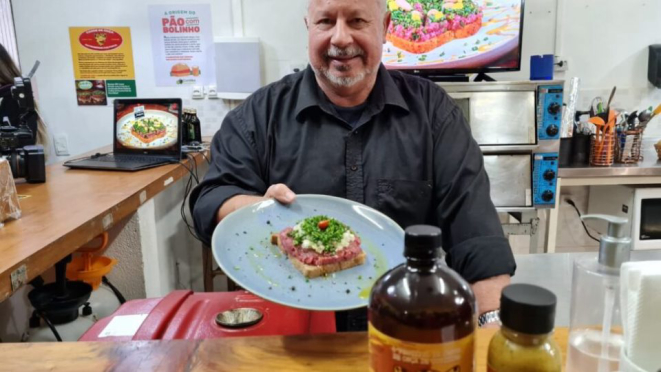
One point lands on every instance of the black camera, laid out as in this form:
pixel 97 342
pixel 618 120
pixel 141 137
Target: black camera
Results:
pixel 17 144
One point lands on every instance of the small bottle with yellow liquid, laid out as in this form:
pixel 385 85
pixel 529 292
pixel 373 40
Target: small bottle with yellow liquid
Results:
pixel 525 342
pixel 422 315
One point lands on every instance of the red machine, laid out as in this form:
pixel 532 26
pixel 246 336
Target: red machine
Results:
pixel 192 316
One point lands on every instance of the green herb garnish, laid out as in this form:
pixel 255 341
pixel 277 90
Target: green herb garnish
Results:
pixel 316 230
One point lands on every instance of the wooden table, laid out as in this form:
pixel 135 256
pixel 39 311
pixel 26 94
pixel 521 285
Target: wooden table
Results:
pixel 337 353
pixel 71 209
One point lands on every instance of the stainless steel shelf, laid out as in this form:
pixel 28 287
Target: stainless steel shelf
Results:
pixel 649 167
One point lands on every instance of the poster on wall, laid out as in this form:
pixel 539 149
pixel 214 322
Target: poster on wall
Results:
pixel 102 64
pixel 182 44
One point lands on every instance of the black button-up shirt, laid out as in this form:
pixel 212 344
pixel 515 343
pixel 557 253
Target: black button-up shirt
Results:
pixel 410 155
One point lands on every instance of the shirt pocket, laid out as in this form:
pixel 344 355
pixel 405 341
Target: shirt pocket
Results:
pixel 406 201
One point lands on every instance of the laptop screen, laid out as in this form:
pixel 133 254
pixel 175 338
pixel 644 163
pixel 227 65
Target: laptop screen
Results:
pixel 148 126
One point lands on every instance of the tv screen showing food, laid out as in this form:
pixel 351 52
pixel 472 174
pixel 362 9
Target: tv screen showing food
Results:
pixel 454 36
pixel 142 126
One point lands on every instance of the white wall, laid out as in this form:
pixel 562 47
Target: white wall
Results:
pixel 42 29
pixel 607 42
pixel 601 54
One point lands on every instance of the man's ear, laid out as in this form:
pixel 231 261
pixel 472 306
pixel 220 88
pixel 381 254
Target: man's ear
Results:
pixel 386 23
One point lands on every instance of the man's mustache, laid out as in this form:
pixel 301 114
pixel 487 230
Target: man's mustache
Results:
pixel 350 52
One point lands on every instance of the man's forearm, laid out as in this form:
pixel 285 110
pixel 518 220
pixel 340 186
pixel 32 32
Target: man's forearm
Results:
pixel 235 203
pixel 487 292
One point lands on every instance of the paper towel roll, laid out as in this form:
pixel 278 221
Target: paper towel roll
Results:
pixel 9 206
pixel 641 313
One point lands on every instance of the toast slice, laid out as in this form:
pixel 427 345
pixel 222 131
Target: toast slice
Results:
pixel 312 271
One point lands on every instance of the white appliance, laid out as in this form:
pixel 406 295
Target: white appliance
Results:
pixel 641 205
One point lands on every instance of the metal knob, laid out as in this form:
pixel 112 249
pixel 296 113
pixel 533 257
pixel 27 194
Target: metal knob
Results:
pixel 547 195
pixel 554 108
pixel 552 130
pixel 549 175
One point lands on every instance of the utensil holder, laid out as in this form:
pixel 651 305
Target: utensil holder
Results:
pixel 602 154
pixel 581 148
pixel 658 150
pixel 628 148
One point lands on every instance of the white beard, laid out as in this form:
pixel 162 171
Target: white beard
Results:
pixel 343 82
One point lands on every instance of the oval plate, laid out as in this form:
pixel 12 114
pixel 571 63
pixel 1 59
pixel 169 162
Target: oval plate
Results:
pixel 241 245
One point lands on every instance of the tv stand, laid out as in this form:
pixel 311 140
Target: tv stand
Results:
pixel 459 78
pixel 483 77
pixel 449 78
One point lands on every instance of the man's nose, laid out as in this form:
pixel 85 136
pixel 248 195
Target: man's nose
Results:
pixel 341 35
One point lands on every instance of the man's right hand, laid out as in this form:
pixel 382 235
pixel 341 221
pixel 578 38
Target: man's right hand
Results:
pixel 279 192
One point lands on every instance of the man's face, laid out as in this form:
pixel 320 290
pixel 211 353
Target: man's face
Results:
pixel 346 39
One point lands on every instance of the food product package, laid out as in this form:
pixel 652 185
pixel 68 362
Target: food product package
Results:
pixel 9 206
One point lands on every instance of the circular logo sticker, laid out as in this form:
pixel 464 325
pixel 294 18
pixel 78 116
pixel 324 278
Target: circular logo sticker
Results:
pixel 84 85
pixel 100 39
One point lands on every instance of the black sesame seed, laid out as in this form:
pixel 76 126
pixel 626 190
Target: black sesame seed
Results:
pixel 348 291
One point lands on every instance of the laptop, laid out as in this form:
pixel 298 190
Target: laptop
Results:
pixel 147 133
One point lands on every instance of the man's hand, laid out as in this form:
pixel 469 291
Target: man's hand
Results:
pixel 279 192
pixel 487 293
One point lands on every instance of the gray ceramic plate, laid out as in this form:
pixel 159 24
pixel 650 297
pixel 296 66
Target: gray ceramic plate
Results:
pixel 242 247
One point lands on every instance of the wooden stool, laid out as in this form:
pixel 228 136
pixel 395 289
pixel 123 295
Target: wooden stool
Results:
pixel 209 272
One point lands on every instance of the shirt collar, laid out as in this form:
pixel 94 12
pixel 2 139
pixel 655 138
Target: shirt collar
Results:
pixel 385 92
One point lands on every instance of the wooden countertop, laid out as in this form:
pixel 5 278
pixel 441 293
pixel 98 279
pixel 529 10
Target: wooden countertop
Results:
pixel 338 353
pixel 72 208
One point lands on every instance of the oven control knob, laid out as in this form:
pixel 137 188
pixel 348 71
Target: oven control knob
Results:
pixel 552 130
pixel 547 196
pixel 554 108
pixel 549 175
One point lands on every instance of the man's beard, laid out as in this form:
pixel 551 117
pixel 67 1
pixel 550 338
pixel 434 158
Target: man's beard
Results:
pixel 348 81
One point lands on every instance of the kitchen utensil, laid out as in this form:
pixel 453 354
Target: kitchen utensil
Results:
pixel 657 111
pixel 645 116
pixel 610 99
pixel 604 128
pixel 596 107
pixel 631 121
pixel 241 245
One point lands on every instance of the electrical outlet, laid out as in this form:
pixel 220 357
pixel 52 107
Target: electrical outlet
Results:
pixel 61 143
pixel 560 64
pixel 198 92
pixel 212 92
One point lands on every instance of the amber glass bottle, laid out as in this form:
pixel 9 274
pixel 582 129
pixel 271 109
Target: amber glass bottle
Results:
pixel 422 315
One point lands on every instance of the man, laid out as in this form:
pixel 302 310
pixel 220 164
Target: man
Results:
pixel 347 127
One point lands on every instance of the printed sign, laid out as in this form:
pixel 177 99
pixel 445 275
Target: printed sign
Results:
pixel 182 44
pixel 102 64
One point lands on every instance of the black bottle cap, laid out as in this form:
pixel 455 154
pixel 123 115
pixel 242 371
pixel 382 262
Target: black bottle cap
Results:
pixel 422 242
pixel 527 309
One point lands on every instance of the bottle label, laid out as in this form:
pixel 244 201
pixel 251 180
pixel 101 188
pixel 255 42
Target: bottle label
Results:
pixel 390 354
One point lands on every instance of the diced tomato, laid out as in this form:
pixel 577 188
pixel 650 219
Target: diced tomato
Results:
pixel 323 225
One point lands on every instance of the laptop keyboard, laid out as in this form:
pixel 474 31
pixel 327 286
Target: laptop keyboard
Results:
pixel 129 159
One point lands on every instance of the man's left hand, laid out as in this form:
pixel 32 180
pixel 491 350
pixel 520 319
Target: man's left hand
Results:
pixel 487 294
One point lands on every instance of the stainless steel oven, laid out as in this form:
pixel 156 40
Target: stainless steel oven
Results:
pixel 517 125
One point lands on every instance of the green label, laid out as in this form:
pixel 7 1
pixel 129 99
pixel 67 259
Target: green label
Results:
pixel 85 85
pixel 121 88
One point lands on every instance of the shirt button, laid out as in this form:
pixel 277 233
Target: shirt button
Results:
pixel 354 168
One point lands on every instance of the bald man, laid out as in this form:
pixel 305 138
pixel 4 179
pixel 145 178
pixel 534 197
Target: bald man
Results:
pixel 349 128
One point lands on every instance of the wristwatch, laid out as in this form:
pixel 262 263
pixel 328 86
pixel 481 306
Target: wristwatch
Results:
pixel 492 316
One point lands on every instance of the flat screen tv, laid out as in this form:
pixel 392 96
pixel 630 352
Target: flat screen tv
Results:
pixel 449 37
